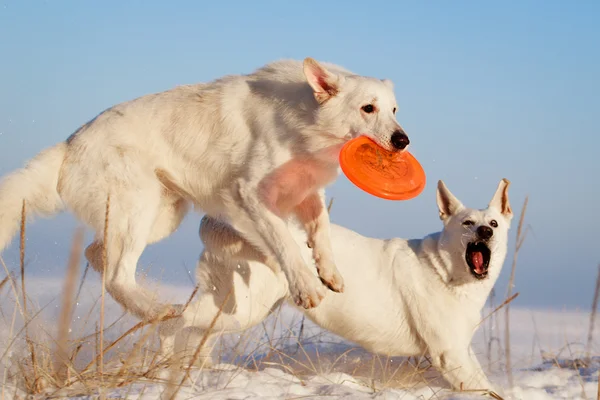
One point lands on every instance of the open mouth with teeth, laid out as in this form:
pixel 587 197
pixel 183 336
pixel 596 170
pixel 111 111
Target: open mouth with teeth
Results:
pixel 478 259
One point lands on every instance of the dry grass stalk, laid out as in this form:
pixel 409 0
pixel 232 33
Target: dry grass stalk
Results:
pixel 490 304
pixel 95 334
pixel 103 289
pixel 593 311
pixel 97 347
pixel 4 282
pixel 493 338
pixel 206 335
pixel 13 338
pixel 519 242
pixel 10 334
pixel 13 285
pixel 36 383
pixel 61 357
pixel 199 348
pixel 81 282
pixel 300 332
pixel 483 392
pixel 489 332
pixel 128 362
pixel 504 303
pixel 24 292
pixel 22 258
pixel 187 303
pixel 101 351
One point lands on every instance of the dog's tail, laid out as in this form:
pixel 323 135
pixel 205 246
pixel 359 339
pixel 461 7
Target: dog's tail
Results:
pixel 36 185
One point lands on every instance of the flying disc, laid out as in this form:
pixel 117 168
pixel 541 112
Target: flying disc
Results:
pixel 386 174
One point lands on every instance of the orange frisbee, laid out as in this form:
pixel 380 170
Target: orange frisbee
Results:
pixel 382 173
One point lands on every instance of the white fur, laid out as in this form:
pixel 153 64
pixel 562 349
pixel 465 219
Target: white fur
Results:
pixel 219 146
pixel 402 297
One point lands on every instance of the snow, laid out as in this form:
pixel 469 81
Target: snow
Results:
pixel 273 361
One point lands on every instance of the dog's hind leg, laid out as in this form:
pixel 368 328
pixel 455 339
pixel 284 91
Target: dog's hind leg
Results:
pixel 174 205
pixel 234 297
pixel 198 318
pixel 313 215
pixel 130 222
pixel 168 218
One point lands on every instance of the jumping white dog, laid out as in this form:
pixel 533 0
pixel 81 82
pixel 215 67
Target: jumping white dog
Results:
pixel 251 150
pixel 401 298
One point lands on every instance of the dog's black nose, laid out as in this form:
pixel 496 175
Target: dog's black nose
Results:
pixel 399 140
pixel 485 232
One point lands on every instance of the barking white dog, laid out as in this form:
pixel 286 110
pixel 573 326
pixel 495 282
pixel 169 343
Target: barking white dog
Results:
pixel 402 297
pixel 251 150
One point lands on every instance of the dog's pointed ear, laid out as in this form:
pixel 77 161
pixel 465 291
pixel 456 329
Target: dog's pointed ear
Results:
pixel 388 83
pixel 447 203
pixel 325 84
pixel 500 199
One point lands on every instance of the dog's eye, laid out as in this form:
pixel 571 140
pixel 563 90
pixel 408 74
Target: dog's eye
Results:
pixel 468 223
pixel 368 108
pixel 494 223
pixel 394 110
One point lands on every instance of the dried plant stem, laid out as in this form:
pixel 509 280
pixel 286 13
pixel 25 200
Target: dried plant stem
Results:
pixel 330 205
pixel 61 358
pixel 189 300
pixel 121 374
pixel 24 292
pixel 504 303
pixel 300 333
pixel 10 334
pixel 102 351
pixel 97 347
pixel 12 285
pixel 22 259
pixel 489 334
pixel 85 272
pixel 4 281
pixel 201 345
pixel 104 262
pixel 590 337
pixel 519 242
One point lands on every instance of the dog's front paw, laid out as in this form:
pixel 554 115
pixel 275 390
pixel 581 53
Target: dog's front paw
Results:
pixel 307 291
pixel 329 275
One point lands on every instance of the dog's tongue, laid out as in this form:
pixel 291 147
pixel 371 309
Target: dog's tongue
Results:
pixel 477 261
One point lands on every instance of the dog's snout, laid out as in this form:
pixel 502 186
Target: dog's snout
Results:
pixel 485 232
pixel 399 140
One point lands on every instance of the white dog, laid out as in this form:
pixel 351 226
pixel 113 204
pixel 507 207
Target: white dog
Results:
pixel 249 149
pixel 402 297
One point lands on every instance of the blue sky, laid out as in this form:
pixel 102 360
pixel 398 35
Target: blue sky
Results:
pixel 486 90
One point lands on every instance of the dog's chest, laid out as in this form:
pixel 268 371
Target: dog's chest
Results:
pixel 289 184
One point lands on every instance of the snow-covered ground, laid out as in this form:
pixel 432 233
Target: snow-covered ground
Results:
pixel 289 357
